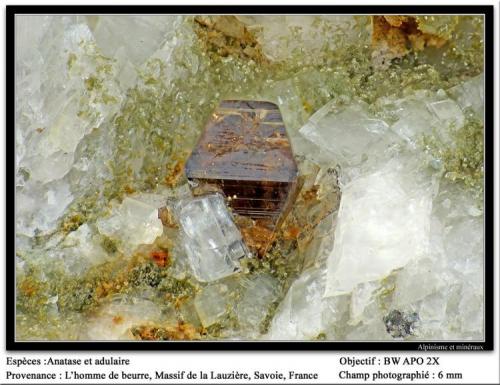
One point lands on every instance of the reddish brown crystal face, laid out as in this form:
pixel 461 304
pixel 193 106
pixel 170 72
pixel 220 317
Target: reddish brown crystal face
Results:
pixel 245 152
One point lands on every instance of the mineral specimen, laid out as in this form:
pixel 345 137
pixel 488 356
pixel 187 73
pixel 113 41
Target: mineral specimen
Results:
pixel 387 221
pixel 212 241
pixel 426 263
pixel 244 151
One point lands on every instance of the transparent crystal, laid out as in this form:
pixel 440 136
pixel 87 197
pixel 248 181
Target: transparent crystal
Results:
pixel 212 303
pixel 423 112
pixel 212 241
pixel 299 313
pixel 449 299
pixel 470 94
pixel 131 40
pixel 128 32
pixel 62 95
pixel 106 105
pixel 258 295
pixel 363 295
pixel 133 222
pixel 347 133
pixel 448 113
pixel 373 235
pixel 305 313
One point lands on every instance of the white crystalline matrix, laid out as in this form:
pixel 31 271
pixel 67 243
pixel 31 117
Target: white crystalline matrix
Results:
pixel 212 241
pixel 132 223
pixel 382 225
pixel 64 91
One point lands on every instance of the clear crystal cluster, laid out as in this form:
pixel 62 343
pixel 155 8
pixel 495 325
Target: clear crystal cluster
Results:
pixel 394 238
pixel 383 239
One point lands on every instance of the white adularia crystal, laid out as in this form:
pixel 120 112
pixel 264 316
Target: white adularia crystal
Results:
pixel 212 303
pixel 423 112
pixel 358 141
pixel 299 313
pixel 132 223
pixel 304 313
pixel 113 32
pixel 212 241
pixel 449 299
pixel 347 133
pixel 259 293
pixel 391 228
pixel 383 223
pixel 123 38
pixel 38 208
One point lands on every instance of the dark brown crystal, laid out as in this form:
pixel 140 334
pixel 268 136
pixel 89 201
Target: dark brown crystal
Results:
pixel 244 151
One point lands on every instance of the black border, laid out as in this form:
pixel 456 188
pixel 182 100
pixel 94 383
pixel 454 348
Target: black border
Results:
pixel 13 345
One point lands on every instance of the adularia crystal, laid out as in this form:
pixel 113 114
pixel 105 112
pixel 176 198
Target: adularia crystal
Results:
pixel 244 152
pixel 212 241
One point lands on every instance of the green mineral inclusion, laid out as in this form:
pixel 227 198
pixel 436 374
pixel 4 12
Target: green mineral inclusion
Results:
pixel 463 160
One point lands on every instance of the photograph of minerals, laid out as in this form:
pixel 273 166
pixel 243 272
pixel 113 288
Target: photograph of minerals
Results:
pixel 249 178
